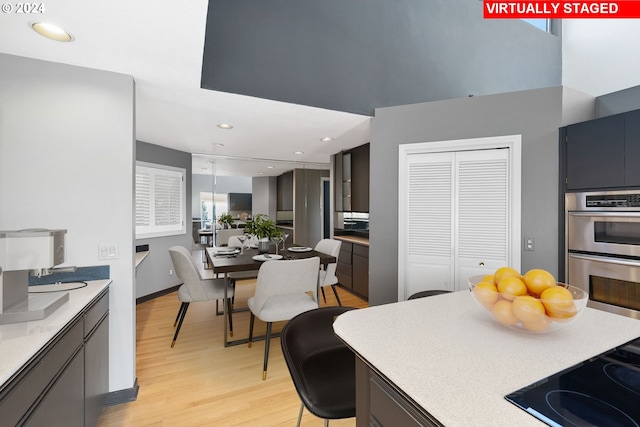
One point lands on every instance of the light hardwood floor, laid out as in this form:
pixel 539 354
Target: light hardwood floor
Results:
pixel 199 382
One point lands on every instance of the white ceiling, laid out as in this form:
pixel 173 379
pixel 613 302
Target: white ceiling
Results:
pixel 160 44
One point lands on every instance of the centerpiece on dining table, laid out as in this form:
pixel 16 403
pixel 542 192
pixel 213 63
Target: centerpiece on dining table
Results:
pixel 265 230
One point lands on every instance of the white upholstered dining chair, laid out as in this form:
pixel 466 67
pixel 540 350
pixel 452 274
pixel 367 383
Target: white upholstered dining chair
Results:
pixel 195 288
pixel 284 289
pixel 327 274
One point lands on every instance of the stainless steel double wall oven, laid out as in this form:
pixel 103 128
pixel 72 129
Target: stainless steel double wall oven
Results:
pixel 603 248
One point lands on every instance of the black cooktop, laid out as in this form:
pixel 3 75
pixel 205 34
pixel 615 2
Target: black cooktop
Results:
pixel 602 391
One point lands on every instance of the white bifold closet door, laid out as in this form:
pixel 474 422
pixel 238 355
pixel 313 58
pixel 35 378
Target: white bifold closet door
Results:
pixel 456 218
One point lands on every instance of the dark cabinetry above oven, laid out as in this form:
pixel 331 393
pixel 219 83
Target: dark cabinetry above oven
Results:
pixel 602 153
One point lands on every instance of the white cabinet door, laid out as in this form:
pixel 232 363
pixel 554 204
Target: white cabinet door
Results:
pixel 429 222
pixel 482 213
pixel 455 218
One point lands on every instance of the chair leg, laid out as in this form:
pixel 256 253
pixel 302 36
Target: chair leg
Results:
pixel 251 321
pixel 326 423
pixel 324 297
pixel 300 414
pixel 184 312
pixel 266 351
pixel 335 292
pixel 229 310
pixel 179 313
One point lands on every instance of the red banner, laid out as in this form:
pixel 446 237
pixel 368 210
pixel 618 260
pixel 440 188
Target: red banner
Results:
pixel 561 9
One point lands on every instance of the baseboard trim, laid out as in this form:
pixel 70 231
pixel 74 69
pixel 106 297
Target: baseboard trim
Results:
pixel 122 396
pixel 157 294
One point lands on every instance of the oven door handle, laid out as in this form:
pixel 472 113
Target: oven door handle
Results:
pixel 616 214
pixel 608 260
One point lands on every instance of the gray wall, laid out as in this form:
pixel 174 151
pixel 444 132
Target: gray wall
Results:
pixel 306 205
pixel 535 114
pixel 265 196
pixel 222 185
pixel 359 55
pixel 618 102
pixel 152 275
pixel 67 158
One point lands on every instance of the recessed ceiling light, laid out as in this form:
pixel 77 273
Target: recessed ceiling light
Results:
pixel 270 167
pixel 218 145
pixel 298 152
pixel 225 126
pixel 260 173
pixel 51 31
pixel 326 139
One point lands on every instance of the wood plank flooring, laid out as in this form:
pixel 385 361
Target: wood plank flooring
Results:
pixel 199 382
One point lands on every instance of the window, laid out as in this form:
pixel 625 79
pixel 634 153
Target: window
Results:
pixel 542 24
pixel 160 200
pixel 212 206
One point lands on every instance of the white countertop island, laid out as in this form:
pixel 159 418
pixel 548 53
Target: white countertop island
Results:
pixel 20 342
pixel 457 364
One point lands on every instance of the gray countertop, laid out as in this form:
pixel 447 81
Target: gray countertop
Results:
pixel 454 361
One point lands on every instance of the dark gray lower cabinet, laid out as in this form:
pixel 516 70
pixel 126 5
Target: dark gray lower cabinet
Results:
pixel 352 270
pixel 66 383
pixel 63 404
pixel 96 367
pixel 380 404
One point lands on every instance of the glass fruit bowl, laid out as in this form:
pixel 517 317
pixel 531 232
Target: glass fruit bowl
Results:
pixel 553 309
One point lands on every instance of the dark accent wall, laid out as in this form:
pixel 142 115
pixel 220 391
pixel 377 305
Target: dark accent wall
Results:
pixel 359 55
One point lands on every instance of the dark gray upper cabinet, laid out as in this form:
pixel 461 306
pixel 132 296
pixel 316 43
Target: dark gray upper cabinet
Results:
pixel 285 192
pixel 632 148
pixel 352 180
pixel 360 179
pixel 595 154
pixel 337 173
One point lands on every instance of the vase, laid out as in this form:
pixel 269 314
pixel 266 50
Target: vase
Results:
pixel 263 246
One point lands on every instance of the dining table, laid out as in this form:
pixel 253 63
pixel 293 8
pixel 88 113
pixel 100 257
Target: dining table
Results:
pixel 224 263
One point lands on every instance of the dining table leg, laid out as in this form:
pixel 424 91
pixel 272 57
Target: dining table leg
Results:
pixel 224 304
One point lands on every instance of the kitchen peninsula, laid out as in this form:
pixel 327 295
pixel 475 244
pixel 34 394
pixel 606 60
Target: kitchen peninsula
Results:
pixel 54 371
pixel 442 361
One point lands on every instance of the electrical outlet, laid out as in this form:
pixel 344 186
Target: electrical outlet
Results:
pixel 170 272
pixel 528 244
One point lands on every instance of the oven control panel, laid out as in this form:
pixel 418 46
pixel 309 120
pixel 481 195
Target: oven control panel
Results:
pixel 613 200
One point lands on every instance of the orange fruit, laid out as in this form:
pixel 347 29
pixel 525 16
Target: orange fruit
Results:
pixel 503 312
pixel 488 278
pixel 537 280
pixel 486 294
pixel 511 287
pixel 503 272
pixel 558 302
pixel 540 326
pixel 528 309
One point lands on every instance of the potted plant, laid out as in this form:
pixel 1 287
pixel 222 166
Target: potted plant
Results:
pixel 225 220
pixel 264 229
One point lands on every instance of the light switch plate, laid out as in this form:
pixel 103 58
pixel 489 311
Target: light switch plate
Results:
pixel 529 244
pixel 108 251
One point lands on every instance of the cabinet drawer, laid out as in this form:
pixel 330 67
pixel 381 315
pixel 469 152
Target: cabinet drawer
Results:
pixel 361 250
pixel 62 351
pixel 16 402
pixel 95 313
pixel 389 408
pixel 344 257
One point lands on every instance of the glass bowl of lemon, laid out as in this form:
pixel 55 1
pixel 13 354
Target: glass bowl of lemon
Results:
pixel 534 302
